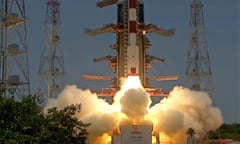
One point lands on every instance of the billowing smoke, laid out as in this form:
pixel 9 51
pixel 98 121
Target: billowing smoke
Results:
pixel 185 109
pixel 135 103
pixel 169 121
pixel 73 95
pixel 171 116
pixel 93 110
pixel 101 123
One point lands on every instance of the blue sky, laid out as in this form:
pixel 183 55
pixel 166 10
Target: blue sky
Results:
pixel 222 20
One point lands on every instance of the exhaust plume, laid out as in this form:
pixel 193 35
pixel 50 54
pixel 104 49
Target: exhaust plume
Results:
pixel 135 104
pixel 185 109
pixel 171 116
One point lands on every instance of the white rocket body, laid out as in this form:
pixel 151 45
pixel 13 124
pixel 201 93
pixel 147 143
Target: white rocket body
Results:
pixel 132 49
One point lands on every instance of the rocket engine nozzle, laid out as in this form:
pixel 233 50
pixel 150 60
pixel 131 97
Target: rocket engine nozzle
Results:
pixel 133 72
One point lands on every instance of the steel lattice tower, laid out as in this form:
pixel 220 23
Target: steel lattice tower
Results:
pixel 51 68
pixel 199 74
pixel 14 67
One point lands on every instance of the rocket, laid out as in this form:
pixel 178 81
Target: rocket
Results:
pixel 131 45
pixel 132 48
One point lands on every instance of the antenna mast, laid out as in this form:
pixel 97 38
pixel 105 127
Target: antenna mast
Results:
pixel 51 68
pixel 199 74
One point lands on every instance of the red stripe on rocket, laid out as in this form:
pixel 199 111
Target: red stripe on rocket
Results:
pixel 132 49
pixel 132 4
pixel 132 25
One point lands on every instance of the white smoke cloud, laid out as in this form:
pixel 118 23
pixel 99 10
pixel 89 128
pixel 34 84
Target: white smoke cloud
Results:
pixel 169 121
pixel 185 109
pixel 97 112
pixel 173 115
pixel 135 103
pixel 101 123
pixel 73 95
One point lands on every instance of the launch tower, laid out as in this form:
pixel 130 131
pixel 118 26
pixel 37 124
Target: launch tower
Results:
pixel 14 67
pixel 132 45
pixel 199 74
pixel 51 68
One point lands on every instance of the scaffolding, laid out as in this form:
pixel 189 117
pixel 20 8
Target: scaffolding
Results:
pixel 14 66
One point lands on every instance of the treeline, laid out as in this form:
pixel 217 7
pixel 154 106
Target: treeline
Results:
pixel 24 122
pixel 226 131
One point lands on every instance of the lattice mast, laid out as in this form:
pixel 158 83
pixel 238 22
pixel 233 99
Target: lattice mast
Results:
pixel 199 74
pixel 14 67
pixel 51 68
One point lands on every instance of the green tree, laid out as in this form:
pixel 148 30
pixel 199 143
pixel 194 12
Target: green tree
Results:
pixel 226 131
pixel 24 122
pixel 68 128
pixel 19 120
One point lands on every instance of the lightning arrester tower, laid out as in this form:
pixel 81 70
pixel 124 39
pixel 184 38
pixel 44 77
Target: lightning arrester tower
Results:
pixel 51 68
pixel 199 74
pixel 14 67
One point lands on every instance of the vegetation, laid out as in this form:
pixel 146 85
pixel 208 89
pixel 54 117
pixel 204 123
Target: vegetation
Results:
pixel 24 122
pixel 226 131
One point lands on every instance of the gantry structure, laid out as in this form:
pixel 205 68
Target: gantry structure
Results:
pixel 198 73
pixel 119 63
pixel 51 67
pixel 14 67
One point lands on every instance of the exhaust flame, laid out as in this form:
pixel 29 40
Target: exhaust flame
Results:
pixel 170 117
pixel 132 82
